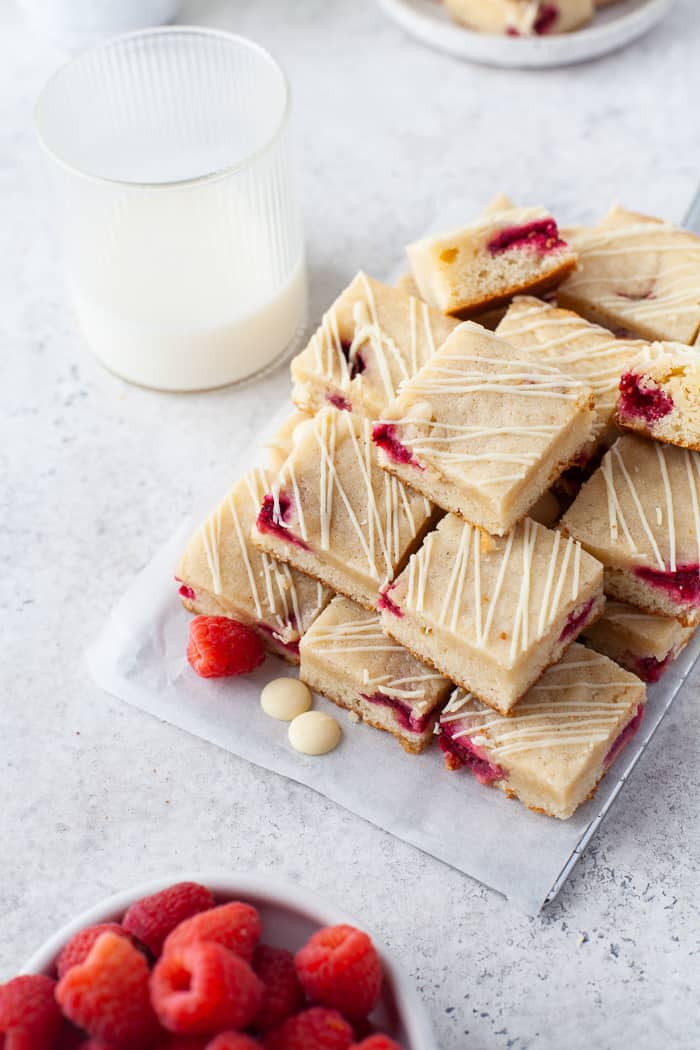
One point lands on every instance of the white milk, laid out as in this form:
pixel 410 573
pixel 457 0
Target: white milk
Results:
pixel 76 23
pixel 182 291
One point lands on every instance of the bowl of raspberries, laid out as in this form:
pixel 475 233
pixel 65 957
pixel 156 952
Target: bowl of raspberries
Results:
pixel 212 963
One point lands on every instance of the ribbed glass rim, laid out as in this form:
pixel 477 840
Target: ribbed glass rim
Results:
pixel 161 31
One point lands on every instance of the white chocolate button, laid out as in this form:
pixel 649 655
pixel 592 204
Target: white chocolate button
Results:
pixel 314 733
pixel 285 698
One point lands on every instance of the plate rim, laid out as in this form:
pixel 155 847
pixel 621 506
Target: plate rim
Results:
pixel 562 49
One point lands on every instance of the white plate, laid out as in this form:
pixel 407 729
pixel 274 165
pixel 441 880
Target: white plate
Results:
pixel 612 28
pixel 289 915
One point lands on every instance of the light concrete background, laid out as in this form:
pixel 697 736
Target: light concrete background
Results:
pixel 95 796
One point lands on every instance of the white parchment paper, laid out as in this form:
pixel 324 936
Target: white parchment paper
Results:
pixel 140 657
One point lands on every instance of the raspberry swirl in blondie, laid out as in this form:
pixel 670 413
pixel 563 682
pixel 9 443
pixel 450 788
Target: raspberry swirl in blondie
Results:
pixel 221 573
pixel 644 643
pixel 349 659
pixel 521 17
pixel 373 338
pixel 637 276
pixel 659 395
pixel 639 514
pixel 334 514
pixel 504 253
pixel 492 613
pixel 567 731
pixel 483 430
pixel 582 350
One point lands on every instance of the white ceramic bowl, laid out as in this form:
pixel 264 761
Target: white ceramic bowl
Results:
pixel 290 915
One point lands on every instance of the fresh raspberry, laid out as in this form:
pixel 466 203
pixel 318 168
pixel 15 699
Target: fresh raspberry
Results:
pixel 233 1041
pixel 78 947
pixel 29 1016
pixel 220 647
pixel 339 967
pixel 314 1029
pixel 235 925
pixel 152 918
pixel 202 988
pixel 107 994
pixel 185 1042
pixel 376 1042
pixel 283 994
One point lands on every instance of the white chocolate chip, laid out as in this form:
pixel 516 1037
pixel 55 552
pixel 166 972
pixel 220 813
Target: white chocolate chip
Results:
pixel 314 733
pixel 285 699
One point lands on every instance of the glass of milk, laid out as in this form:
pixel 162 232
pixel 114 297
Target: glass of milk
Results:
pixel 185 254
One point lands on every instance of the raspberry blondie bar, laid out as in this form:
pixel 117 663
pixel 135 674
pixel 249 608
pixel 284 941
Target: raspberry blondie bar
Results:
pixel 639 514
pixel 637 276
pixel 643 643
pixel 521 17
pixel 282 441
pixel 222 574
pixel 483 430
pixel 371 339
pixel 659 395
pixel 493 614
pixel 348 658
pixel 582 350
pixel 467 271
pixel 565 734
pixel 334 514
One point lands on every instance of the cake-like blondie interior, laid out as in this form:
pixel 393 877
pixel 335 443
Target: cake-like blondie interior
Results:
pixel 582 350
pixel 659 394
pixel 373 338
pixel 349 659
pixel 521 17
pixel 644 643
pixel 639 514
pixel 222 574
pixel 484 430
pixel 637 276
pixel 334 513
pixel 565 734
pixel 493 613
pixel 480 266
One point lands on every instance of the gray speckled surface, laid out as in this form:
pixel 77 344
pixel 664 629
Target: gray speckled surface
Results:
pixel 96 796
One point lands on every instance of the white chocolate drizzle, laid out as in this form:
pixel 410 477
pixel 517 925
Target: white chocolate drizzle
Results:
pixel 365 636
pixel 556 713
pixel 673 287
pixel 582 350
pixel 391 363
pixel 516 444
pixel 528 549
pixel 276 597
pixel 382 513
pixel 644 534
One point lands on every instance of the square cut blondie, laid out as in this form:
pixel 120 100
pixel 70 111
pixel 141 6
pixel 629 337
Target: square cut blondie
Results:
pixel 483 430
pixel 582 350
pixel 564 736
pixel 492 614
pixel 659 395
pixel 639 514
pixel 333 513
pixel 644 643
pixel 371 339
pixel 521 17
pixel 222 574
pixel 348 658
pixel 483 265
pixel 637 276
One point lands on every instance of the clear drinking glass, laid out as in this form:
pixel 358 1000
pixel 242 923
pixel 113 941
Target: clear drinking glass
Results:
pixel 183 238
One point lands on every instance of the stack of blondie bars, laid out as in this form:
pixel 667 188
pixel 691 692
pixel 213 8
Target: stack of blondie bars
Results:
pixel 471 468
